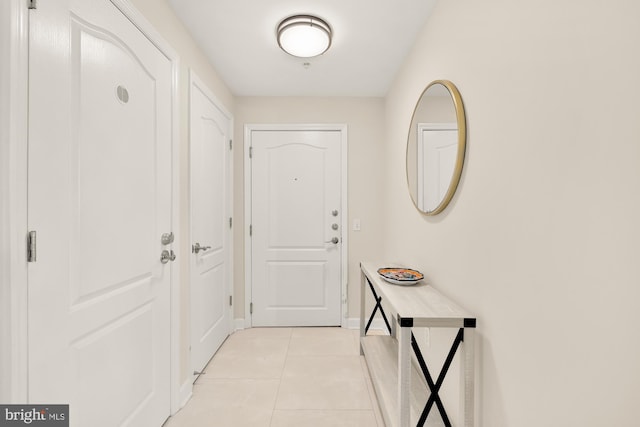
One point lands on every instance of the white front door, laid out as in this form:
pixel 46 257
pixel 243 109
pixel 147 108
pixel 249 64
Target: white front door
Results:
pixel 296 200
pixel 99 201
pixel 210 132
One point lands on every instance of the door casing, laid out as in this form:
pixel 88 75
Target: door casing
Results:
pixel 14 357
pixel 248 129
pixel 14 44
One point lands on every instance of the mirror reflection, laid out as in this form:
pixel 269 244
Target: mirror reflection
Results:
pixel 435 147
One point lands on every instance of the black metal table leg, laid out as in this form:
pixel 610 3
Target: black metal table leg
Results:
pixel 378 306
pixel 435 387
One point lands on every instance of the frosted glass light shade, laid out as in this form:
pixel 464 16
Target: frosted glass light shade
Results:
pixel 304 36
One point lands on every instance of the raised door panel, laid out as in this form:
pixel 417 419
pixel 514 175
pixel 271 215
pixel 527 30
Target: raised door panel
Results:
pixel 114 167
pixel 295 205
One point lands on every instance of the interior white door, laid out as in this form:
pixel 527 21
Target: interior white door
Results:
pixel 296 200
pixel 437 153
pixel 210 227
pixel 99 200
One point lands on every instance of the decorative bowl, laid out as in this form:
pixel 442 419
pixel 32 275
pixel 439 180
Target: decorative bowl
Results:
pixel 400 276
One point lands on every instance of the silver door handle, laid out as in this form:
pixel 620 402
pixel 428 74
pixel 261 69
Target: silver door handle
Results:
pixel 197 248
pixel 335 241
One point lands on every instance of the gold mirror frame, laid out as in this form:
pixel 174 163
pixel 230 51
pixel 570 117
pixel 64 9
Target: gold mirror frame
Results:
pixel 461 149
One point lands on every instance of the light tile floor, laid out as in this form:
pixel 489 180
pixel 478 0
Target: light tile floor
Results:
pixel 282 377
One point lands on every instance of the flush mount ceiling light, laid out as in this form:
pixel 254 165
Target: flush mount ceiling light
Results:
pixel 304 36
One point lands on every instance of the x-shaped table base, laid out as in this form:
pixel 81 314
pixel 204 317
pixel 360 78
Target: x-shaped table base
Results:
pixel 435 387
pixel 378 306
pixel 434 398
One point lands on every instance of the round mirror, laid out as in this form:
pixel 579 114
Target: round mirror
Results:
pixel 436 147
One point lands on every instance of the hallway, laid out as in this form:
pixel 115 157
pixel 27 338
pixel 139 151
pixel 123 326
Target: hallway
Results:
pixel 280 377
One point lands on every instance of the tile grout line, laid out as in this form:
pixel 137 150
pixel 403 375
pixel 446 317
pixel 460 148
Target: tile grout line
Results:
pixel 286 356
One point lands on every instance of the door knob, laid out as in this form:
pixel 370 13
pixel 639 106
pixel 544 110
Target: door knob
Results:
pixel 197 248
pixel 167 256
pixel 335 241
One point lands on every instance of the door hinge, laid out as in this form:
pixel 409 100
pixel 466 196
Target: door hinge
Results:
pixel 251 152
pixel 32 4
pixel 31 247
pixel 250 308
pixel 230 299
pixel 230 222
pixel 250 230
pixel 231 144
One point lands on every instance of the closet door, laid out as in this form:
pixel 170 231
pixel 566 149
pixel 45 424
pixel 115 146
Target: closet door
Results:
pixel 210 135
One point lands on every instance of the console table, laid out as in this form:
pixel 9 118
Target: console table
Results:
pixel 407 393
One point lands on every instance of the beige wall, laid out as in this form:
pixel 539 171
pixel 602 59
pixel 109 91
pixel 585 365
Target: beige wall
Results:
pixel 364 118
pixel 161 16
pixel 542 240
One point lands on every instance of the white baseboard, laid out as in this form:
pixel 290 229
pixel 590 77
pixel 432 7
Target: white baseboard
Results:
pixel 239 324
pixel 351 323
pixel 186 391
pixel 376 325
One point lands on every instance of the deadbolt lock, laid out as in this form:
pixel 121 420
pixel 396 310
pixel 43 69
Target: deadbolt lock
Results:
pixel 167 238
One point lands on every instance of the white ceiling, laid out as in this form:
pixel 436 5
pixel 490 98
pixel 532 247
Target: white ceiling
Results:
pixel 371 39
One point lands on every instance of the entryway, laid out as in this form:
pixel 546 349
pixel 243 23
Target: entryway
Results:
pixel 295 181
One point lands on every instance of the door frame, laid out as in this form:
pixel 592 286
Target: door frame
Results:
pixel 13 358
pixel 14 45
pixel 195 81
pixel 344 261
